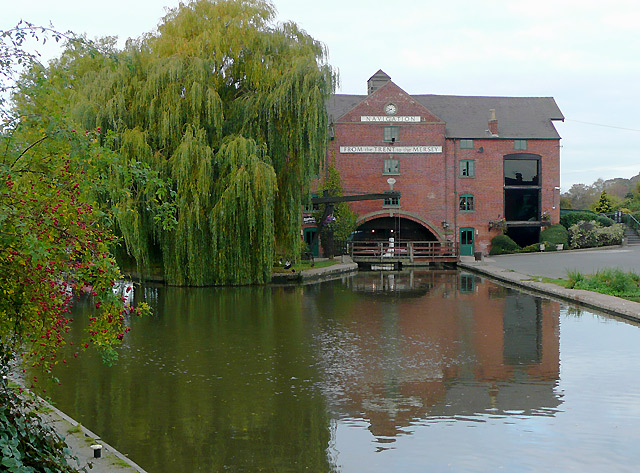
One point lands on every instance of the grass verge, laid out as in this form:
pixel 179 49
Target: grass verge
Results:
pixel 302 265
pixel 611 281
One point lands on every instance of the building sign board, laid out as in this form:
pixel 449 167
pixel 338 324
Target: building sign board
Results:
pixel 391 149
pixel 387 118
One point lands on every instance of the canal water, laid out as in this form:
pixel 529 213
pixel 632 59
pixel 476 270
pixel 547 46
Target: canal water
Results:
pixel 380 372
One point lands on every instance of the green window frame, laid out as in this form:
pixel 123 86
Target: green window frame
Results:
pixel 466 203
pixel 520 145
pixel 391 166
pixel 467 168
pixel 391 201
pixel 467 283
pixel 391 133
pixel 466 144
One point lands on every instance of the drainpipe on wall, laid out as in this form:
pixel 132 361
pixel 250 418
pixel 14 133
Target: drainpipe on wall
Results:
pixel 455 192
pixel 446 188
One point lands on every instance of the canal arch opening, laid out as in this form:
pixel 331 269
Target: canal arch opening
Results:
pixel 399 228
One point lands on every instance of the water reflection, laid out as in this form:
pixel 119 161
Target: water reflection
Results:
pixel 262 378
pixel 464 347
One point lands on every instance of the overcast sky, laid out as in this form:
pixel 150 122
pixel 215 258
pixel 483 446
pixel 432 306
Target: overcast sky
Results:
pixel 584 53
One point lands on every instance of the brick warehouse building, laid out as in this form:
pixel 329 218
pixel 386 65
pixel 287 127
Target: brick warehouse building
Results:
pixel 464 166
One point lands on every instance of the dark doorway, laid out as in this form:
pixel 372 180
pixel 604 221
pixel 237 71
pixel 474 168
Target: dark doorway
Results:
pixel 399 228
pixel 524 236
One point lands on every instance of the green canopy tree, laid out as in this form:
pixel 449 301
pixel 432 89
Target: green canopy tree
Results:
pixel 229 108
pixel 343 220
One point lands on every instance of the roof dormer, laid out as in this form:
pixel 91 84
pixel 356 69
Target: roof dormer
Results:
pixel 376 81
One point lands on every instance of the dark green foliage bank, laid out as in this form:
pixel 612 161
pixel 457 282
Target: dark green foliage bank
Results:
pixel 572 218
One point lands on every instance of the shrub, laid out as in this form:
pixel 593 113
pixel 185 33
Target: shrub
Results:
pixel 572 218
pixel 611 235
pixel 591 234
pixel 534 247
pixel 501 244
pixel 555 235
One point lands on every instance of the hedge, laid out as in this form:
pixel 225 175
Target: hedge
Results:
pixel 555 235
pixel 570 219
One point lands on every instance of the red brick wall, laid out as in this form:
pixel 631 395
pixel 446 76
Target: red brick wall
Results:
pixel 429 183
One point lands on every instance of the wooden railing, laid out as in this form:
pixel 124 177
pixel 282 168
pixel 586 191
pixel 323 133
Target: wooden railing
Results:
pixel 403 250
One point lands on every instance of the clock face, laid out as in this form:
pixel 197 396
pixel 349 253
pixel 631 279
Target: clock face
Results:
pixel 390 109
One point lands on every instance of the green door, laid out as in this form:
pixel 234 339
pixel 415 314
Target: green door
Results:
pixel 466 241
pixel 309 233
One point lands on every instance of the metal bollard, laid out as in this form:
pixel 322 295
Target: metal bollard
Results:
pixel 97 451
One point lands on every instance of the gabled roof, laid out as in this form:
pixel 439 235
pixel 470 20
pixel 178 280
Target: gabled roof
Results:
pixel 468 117
pixel 518 117
pixel 380 75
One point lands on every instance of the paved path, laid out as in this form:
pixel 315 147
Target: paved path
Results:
pixel 524 270
pixel 555 264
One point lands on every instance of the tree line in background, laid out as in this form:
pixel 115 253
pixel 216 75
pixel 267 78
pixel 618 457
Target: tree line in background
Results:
pixel 619 194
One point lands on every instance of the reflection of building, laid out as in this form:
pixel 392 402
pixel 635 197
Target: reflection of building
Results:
pixel 407 283
pixel 464 166
pixel 449 353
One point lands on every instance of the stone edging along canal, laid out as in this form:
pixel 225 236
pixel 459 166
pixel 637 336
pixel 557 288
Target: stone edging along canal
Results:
pixel 592 300
pixel 79 439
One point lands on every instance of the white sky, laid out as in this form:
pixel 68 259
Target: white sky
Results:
pixel 584 53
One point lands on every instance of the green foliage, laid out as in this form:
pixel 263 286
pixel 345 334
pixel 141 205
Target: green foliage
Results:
pixel 612 281
pixel 501 244
pixel 565 203
pixel 632 200
pixel 555 235
pixel 592 234
pixel 55 242
pixel 604 204
pixel 574 276
pixel 228 109
pixel 344 223
pixel 534 247
pixel 27 444
pixel 572 218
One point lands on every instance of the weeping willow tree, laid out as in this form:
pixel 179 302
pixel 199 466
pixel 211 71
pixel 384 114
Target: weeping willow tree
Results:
pixel 228 108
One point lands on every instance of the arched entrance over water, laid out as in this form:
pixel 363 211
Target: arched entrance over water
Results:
pixel 400 226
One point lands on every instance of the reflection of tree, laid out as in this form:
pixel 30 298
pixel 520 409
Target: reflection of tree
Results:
pixel 218 377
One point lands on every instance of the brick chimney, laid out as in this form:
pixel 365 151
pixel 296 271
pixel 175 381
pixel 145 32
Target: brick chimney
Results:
pixel 493 122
